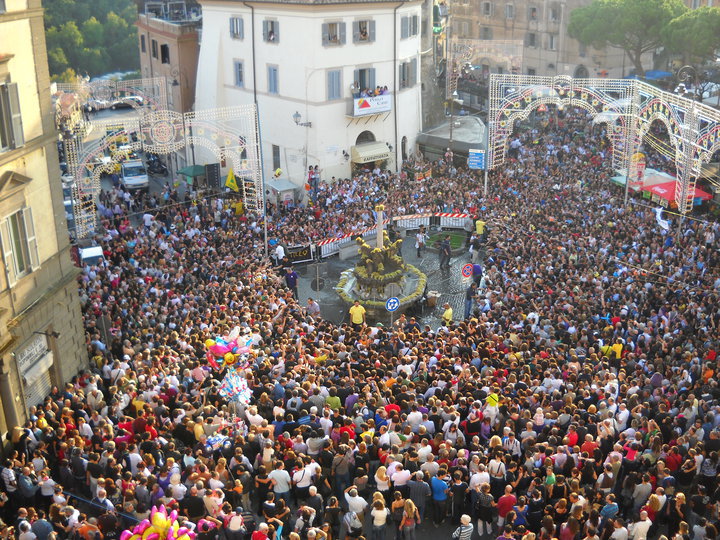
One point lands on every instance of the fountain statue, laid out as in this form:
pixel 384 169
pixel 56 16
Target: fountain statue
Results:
pixel 381 273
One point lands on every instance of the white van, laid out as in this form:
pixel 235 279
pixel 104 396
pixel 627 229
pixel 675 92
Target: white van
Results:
pixel 134 174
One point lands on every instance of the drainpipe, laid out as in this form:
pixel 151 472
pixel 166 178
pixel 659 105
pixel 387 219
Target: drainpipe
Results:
pixel 395 81
pixel 252 29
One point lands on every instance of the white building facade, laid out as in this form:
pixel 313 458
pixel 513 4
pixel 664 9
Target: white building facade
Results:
pixel 304 64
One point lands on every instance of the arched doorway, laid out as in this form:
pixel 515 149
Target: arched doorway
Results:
pixel 403 146
pixel 581 72
pixel 365 137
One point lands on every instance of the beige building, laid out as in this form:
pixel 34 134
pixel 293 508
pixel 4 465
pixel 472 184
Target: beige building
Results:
pixel 41 333
pixel 542 27
pixel 168 38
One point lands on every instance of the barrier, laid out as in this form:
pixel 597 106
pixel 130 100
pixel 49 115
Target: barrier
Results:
pixel 453 222
pixel 412 222
pixel 331 246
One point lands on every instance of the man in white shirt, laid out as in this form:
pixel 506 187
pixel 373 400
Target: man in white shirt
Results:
pixel 479 478
pixel 355 502
pixel 281 482
pixel 620 532
pixel 400 478
pixel 622 417
pixel 639 529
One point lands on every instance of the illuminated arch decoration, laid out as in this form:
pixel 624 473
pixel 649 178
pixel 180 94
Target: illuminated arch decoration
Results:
pixel 226 134
pixel 626 107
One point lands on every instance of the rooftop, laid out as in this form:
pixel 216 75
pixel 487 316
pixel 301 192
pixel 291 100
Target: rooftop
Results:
pixel 174 11
pixel 322 2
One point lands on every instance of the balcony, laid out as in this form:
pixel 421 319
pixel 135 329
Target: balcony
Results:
pixel 369 106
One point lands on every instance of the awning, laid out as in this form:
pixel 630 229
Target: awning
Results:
pixel 667 191
pixel 369 152
pixel 282 184
pixel 192 170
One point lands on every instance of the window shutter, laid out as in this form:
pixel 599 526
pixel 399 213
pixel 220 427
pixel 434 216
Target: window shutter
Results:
pixel 343 36
pixel 232 27
pixel 404 22
pixel 371 30
pixel 8 254
pixel 413 72
pixel 241 27
pixel 277 31
pixel 414 25
pixel 371 78
pixel 265 30
pixel 31 240
pixel 325 34
pixel 356 31
pixel 15 116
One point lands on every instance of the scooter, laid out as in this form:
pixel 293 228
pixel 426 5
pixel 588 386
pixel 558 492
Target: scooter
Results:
pixel 156 167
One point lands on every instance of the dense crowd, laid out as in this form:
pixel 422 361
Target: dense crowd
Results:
pixel 578 400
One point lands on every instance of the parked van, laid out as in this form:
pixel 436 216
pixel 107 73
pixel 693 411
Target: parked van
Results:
pixel 134 174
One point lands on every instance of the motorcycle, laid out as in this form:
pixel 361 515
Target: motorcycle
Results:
pixel 156 167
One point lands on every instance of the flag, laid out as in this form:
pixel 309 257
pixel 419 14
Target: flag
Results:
pixel 231 182
pixel 664 223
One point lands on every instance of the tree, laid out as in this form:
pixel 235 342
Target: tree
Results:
pixel 695 35
pixel 92 31
pixel 636 26
pixel 67 76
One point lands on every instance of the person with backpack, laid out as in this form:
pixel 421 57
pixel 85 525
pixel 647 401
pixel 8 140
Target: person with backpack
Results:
pixel 353 524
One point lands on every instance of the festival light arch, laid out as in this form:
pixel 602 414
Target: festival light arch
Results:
pixel 628 108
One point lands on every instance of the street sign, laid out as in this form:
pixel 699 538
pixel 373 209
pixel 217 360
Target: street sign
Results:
pixel 392 304
pixel 476 159
pixel 467 270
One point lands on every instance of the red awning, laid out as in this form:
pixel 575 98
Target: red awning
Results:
pixel 667 191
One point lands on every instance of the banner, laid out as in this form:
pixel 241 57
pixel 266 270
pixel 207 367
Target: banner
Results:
pixel 663 223
pixel 299 254
pixel 372 105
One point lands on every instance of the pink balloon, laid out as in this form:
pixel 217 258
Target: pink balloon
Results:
pixel 243 350
pixel 173 516
pixel 144 524
pixel 219 350
pixel 126 534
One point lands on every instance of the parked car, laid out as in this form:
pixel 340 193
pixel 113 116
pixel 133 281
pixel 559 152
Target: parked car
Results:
pixel 127 102
pixel 97 105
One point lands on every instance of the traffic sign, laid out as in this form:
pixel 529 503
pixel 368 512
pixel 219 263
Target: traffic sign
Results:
pixel 476 159
pixel 392 304
pixel 467 270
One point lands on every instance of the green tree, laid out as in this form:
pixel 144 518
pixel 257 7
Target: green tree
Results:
pixel 67 76
pixel 93 33
pixel 57 60
pixel 636 26
pixel 695 35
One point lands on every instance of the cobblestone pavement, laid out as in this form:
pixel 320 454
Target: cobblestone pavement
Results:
pixel 448 282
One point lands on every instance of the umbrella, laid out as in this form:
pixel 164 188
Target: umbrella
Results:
pixel 192 170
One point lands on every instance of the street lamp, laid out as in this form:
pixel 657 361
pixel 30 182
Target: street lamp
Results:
pixel 297 117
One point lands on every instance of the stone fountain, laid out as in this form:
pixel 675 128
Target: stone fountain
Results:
pixel 380 274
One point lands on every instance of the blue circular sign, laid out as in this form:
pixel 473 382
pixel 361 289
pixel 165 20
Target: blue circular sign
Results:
pixel 392 303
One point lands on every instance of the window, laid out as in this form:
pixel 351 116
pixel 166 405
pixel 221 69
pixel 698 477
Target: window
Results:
pixel 2 6
pixel 554 14
pixel 531 39
pixel 143 46
pixel 509 11
pixel 486 32
pixel 276 157
pixel 552 42
pixel 237 28
pixel 486 9
pixel 273 80
pixel 408 73
pixel 531 71
pixel 11 128
pixel 239 74
pixel 365 78
pixel 271 31
pixel 409 26
pixel 334 84
pixel 165 54
pixel 532 13
pixel 582 50
pixel 333 33
pixel 154 49
pixel 19 245
pixel 363 31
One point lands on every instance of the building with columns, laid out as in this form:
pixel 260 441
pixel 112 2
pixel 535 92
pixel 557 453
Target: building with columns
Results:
pixel 41 333
pixel 306 63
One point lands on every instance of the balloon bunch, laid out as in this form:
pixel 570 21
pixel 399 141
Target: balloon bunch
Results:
pixel 234 387
pixel 226 349
pixel 159 526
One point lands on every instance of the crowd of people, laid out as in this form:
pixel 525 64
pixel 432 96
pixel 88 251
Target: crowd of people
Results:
pixel 578 400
